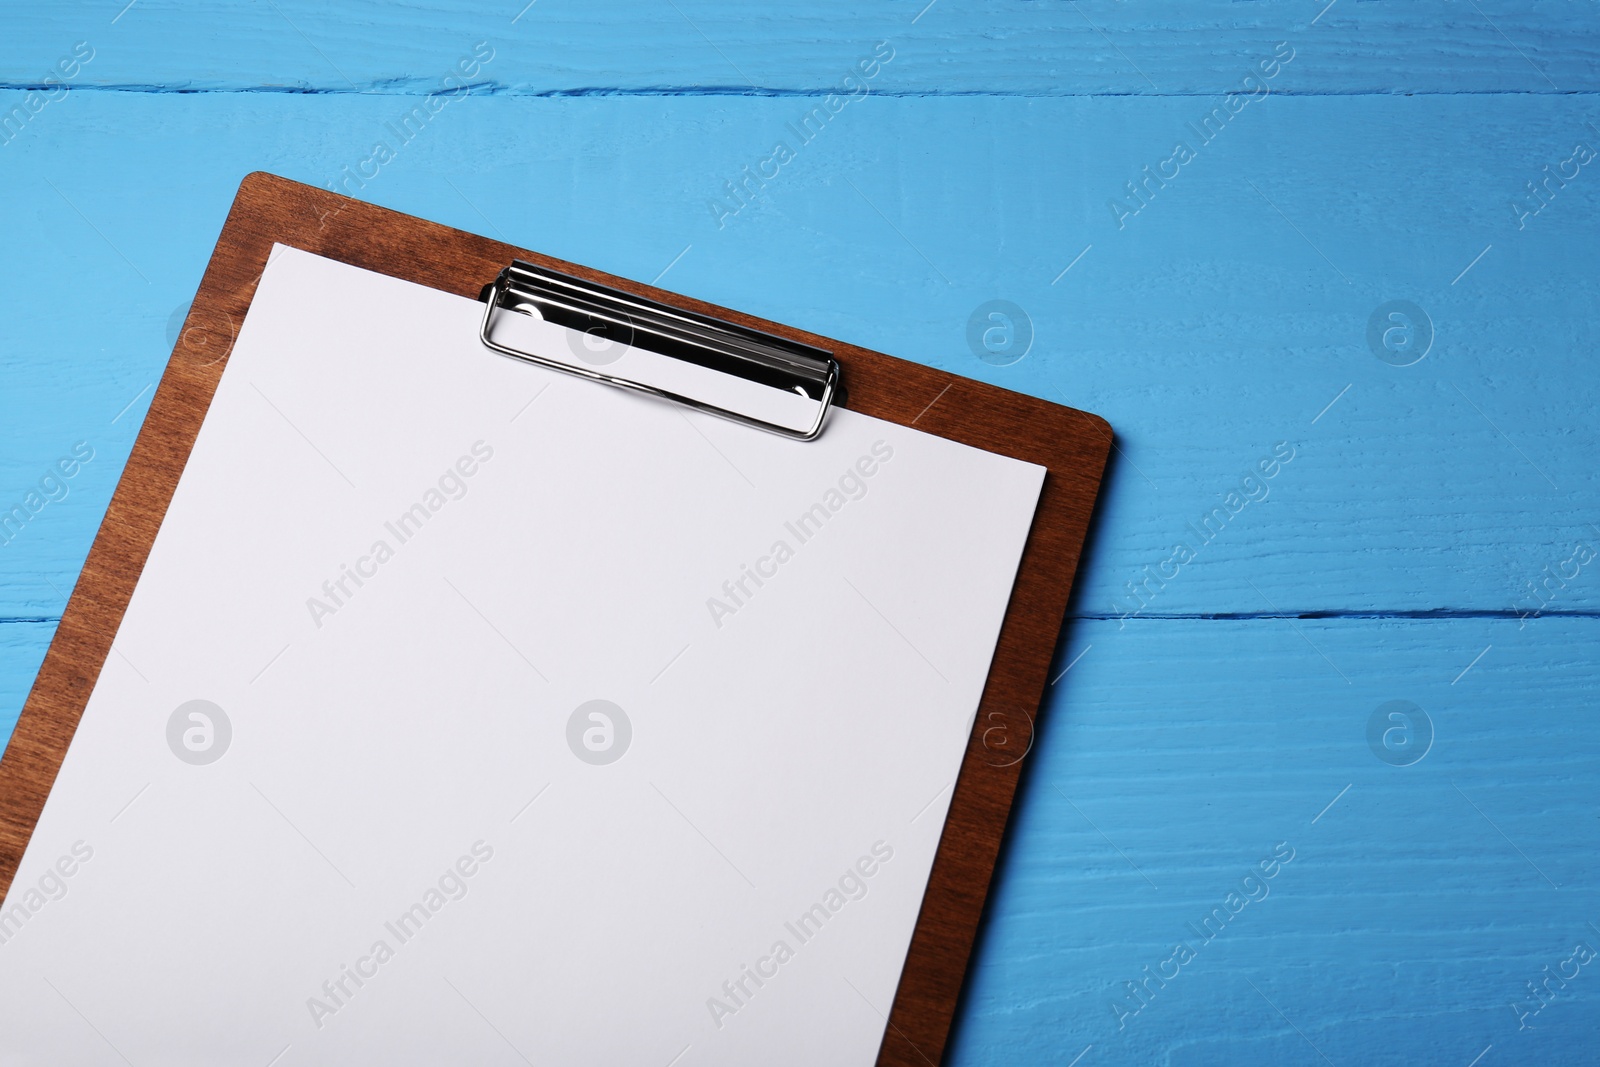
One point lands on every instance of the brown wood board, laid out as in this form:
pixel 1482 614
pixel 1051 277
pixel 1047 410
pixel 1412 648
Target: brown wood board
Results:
pixel 1072 445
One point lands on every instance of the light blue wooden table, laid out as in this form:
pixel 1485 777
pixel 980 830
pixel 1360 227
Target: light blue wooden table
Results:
pixel 1432 540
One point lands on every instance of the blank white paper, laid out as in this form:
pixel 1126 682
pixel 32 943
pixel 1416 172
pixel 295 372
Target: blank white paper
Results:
pixel 468 712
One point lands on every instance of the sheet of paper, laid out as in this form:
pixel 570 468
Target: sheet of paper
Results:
pixel 468 712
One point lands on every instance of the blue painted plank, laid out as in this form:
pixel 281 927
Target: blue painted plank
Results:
pixel 1214 322
pixel 1228 315
pixel 940 47
pixel 1426 889
pixel 22 647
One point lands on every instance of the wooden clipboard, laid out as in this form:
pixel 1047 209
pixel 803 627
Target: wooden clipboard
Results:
pixel 1072 445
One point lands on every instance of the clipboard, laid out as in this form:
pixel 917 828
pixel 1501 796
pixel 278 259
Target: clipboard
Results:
pixel 1072 445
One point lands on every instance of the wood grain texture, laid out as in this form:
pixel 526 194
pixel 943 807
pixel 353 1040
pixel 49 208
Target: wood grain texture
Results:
pixel 1071 445
pixel 1213 325
pixel 1208 329
pixel 699 46
pixel 1418 905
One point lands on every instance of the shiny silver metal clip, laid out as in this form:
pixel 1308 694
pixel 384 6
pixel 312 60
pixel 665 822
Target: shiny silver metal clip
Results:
pixel 651 326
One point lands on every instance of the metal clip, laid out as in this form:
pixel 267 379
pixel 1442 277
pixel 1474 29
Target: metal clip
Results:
pixel 652 326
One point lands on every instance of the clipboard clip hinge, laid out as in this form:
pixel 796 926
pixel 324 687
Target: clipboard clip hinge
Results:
pixel 611 315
